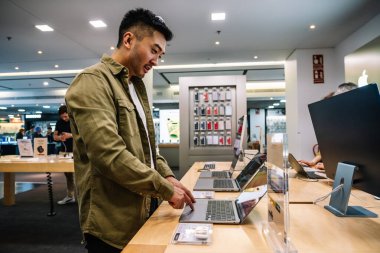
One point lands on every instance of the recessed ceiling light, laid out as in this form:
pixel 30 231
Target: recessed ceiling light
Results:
pixel 217 42
pixel 21 110
pixel 13 105
pixel 98 23
pixel 283 101
pixel 112 48
pixel 3 108
pixel 11 116
pixel 56 66
pixel 255 57
pixel 62 104
pixel 46 106
pixel 38 112
pixel 271 98
pixel 276 104
pixel 17 68
pixel 312 27
pixel 218 16
pixel 270 107
pixel 44 28
pixel 46 83
pixel 162 60
pixel 39 52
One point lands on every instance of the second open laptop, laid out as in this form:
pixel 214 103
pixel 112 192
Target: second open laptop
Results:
pixel 221 174
pixel 224 211
pixel 229 184
pixel 303 171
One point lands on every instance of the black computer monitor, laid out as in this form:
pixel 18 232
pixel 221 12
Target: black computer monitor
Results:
pixel 347 127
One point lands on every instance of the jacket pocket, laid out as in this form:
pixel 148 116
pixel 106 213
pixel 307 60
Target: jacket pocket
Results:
pixel 127 118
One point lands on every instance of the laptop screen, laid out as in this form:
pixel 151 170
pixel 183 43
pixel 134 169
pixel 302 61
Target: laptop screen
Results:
pixel 249 199
pixel 250 170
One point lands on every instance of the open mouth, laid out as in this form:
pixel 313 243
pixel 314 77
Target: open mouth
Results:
pixel 147 68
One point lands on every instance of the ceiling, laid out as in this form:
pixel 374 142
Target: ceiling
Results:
pixel 270 29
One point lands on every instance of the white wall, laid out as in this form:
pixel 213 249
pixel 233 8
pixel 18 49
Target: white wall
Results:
pixel 301 91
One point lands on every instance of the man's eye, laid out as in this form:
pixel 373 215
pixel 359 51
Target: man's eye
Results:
pixel 154 51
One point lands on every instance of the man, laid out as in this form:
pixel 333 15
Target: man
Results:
pixel 117 168
pixel 63 134
pixel 50 134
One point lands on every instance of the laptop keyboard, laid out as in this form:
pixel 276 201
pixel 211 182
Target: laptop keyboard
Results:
pixel 220 210
pixel 220 183
pixel 209 166
pixel 220 174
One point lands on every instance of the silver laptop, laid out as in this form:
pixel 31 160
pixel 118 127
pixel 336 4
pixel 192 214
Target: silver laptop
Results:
pixel 224 211
pixel 303 170
pixel 229 184
pixel 221 174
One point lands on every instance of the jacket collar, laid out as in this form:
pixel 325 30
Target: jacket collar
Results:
pixel 115 67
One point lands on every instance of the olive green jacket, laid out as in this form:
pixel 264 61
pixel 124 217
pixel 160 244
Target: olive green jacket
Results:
pixel 113 176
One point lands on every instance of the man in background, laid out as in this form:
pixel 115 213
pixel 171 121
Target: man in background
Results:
pixel 63 134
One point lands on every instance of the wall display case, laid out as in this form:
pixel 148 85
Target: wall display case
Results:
pixel 213 112
pixel 209 109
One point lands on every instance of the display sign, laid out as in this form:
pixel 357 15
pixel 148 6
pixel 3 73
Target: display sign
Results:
pixel 25 147
pixel 318 72
pixel 40 147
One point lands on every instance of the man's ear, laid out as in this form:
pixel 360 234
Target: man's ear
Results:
pixel 128 39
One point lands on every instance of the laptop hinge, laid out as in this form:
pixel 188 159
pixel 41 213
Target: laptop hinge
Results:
pixel 239 210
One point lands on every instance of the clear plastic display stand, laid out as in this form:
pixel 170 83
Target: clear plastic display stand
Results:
pixel 276 229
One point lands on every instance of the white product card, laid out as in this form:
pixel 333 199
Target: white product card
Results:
pixel 221 110
pixel 228 94
pixel 228 124
pixel 209 139
pixel 222 95
pixel 228 110
pixel 221 124
pixel 215 138
pixel 193 233
pixel 215 96
pixel 203 194
pixel 25 147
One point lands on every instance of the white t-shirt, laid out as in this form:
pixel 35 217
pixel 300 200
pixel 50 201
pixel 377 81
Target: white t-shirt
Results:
pixel 141 113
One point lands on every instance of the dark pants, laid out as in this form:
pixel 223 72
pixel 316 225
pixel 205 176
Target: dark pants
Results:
pixel 95 245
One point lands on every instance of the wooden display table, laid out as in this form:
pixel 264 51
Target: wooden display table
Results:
pixel 10 165
pixel 313 229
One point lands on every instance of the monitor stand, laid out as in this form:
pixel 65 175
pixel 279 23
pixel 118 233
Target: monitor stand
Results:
pixel 339 200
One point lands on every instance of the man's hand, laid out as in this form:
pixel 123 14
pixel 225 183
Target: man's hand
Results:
pixel 181 195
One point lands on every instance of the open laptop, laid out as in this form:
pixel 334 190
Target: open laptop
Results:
pixel 224 211
pixel 229 184
pixel 303 170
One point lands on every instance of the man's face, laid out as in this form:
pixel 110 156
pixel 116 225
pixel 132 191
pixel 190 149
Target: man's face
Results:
pixel 145 54
pixel 64 116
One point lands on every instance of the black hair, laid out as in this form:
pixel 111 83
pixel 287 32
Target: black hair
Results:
pixel 62 109
pixel 146 22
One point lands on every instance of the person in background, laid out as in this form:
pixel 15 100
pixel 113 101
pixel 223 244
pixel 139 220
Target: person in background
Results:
pixel 20 134
pixel 316 162
pixel 29 134
pixel 63 134
pixel 50 135
pixel 37 132
pixel 117 169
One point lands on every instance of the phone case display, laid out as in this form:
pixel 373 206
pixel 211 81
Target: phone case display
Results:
pixel 212 116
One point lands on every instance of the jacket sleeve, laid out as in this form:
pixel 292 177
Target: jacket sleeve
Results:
pixel 163 167
pixel 93 114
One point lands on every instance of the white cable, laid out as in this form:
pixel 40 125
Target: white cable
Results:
pixel 339 187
